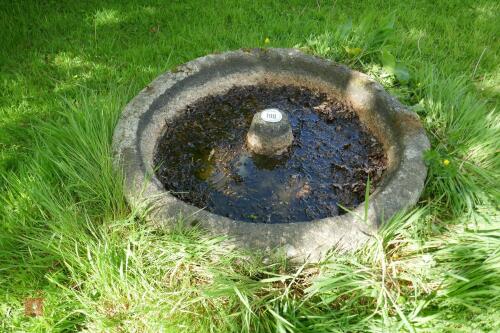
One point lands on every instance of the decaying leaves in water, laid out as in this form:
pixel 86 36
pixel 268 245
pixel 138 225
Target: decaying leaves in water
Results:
pixel 202 158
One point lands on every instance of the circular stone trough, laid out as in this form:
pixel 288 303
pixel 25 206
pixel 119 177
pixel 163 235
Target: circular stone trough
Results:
pixel 163 144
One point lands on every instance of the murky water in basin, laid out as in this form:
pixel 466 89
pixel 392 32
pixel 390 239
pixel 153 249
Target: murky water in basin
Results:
pixel 203 160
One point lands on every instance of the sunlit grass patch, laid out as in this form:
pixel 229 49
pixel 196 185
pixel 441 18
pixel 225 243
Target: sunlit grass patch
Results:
pixel 68 236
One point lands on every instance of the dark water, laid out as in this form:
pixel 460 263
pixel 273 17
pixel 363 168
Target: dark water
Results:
pixel 203 159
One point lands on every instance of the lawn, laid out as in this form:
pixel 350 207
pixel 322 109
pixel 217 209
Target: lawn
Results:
pixel 67 236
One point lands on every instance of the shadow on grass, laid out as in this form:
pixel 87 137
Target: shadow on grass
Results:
pixel 54 52
pixel 55 49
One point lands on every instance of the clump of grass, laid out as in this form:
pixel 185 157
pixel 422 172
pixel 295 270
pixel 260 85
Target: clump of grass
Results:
pixel 67 235
pixel 464 132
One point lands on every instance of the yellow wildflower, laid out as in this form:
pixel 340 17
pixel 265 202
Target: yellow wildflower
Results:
pixel 267 40
pixel 446 162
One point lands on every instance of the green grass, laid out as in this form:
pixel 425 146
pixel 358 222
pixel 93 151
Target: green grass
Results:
pixel 66 234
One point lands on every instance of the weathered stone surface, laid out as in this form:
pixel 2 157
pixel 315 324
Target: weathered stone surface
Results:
pixel 270 137
pixel 398 129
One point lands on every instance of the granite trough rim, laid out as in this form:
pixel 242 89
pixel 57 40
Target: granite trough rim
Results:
pixel 298 240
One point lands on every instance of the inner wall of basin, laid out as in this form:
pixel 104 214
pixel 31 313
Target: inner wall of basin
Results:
pixel 202 157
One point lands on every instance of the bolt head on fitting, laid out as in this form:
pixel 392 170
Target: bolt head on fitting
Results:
pixel 270 133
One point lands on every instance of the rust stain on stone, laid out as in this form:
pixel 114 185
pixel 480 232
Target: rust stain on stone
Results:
pixel 408 121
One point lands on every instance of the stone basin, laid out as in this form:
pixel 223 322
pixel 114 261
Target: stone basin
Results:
pixel 162 103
